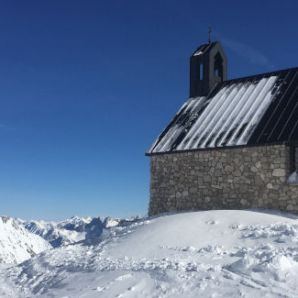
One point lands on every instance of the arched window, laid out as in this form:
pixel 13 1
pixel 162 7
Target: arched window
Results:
pixel 218 66
pixel 293 173
pixel 296 158
pixel 293 158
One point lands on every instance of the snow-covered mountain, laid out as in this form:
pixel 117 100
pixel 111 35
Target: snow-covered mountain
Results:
pixel 17 244
pixel 75 229
pixel 20 240
pixel 197 254
pixel 62 233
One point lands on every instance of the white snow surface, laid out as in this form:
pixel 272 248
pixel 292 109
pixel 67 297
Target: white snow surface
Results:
pixel 227 253
pixel 16 243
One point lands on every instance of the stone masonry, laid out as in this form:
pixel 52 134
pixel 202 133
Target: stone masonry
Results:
pixel 225 178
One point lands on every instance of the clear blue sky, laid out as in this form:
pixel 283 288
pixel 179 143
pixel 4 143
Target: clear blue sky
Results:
pixel 86 86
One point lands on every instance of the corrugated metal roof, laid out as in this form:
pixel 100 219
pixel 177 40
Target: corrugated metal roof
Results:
pixel 253 110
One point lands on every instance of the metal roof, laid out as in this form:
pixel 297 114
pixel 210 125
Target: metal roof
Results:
pixel 253 110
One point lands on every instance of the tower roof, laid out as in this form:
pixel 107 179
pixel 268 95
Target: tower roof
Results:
pixel 204 48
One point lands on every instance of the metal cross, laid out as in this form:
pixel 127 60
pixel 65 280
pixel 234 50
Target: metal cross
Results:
pixel 209 35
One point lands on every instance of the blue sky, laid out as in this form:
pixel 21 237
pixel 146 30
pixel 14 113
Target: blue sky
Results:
pixel 86 86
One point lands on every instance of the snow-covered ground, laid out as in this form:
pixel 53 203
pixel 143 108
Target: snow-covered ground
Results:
pixel 198 254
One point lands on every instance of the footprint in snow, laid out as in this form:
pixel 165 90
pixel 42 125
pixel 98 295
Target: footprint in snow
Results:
pixel 130 289
pixel 211 222
pixel 100 289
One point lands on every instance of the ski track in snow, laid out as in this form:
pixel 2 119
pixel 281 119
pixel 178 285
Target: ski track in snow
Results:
pixel 198 254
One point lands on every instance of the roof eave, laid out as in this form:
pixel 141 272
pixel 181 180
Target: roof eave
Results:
pixel 287 143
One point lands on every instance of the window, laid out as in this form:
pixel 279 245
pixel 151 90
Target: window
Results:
pixel 218 66
pixel 201 71
pixel 296 158
pixel 293 159
pixel 293 178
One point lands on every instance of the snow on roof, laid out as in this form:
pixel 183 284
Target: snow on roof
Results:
pixel 252 110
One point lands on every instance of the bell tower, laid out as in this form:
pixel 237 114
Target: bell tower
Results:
pixel 208 67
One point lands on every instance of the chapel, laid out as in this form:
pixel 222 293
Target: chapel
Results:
pixel 233 143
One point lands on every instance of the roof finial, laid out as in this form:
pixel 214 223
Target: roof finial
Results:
pixel 209 35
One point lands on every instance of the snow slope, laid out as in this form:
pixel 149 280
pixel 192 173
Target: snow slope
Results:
pixel 16 243
pixel 199 254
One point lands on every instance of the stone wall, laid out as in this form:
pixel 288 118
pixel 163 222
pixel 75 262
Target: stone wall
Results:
pixel 227 178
